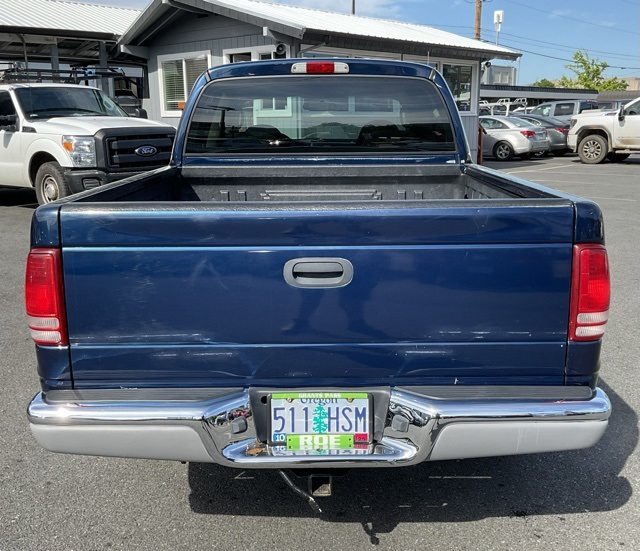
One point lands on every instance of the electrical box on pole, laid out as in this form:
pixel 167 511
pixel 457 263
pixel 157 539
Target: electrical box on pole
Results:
pixel 498 16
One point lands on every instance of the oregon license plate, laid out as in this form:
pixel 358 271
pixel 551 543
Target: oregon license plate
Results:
pixel 321 420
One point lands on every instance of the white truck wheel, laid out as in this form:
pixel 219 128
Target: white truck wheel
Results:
pixel 593 149
pixel 50 183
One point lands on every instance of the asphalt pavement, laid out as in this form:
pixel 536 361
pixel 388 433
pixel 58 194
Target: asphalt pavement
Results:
pixel 579 500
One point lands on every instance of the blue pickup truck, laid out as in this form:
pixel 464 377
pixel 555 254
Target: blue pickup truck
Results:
pixel 321 278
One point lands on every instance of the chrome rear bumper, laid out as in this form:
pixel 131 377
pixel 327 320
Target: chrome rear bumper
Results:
pixel 222 430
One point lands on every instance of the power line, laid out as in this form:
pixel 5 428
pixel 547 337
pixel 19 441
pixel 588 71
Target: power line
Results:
pixel 567 47
pixel 543 42
pixel 572 18
pixel 573 61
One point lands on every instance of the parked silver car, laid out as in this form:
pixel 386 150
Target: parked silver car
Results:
pixel 504 137
pixel 557 131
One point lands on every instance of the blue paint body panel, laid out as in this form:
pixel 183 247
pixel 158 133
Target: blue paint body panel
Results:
pixel 436 295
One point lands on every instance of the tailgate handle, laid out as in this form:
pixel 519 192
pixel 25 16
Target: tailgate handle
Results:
pixel 318 272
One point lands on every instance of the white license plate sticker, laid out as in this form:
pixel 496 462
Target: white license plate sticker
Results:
pixel 307 421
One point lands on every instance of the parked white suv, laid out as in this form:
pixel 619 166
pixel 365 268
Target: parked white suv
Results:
pixel 65 138
pixel 600 135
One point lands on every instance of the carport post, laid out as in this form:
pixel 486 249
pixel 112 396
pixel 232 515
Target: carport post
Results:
pixel 53 52
pixel 105 82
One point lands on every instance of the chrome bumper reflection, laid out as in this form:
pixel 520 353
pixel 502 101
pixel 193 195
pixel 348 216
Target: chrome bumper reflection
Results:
pixel 222 430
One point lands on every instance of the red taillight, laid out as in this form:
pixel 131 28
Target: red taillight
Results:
pixel 44 297
pixel 528 134
pixel 590 293
pixel 319 67
pixel 562 129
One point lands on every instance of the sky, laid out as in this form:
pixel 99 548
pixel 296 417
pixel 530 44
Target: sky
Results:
pixel 547 32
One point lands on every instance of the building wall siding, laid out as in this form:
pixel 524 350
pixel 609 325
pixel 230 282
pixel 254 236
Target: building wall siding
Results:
pixel 215 34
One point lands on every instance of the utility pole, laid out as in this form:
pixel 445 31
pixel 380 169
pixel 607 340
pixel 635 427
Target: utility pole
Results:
pixel 353 7
pixel 478 18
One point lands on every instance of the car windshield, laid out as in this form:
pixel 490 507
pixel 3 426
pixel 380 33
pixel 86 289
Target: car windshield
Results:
pixel 62 101
pixel 299 114
pixel 543 110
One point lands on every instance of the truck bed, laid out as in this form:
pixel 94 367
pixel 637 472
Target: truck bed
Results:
pixel 457 279
pixel 349 185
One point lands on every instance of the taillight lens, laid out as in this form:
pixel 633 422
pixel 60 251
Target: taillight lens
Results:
pixel 528 134
pixel 590 293
pixel 562 129
pixel 44 297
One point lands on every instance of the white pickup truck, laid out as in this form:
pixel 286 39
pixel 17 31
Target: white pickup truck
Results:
pixel 600 135
pixel 65 138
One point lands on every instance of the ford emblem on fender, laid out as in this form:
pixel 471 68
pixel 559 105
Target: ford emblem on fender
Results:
pixel 146 151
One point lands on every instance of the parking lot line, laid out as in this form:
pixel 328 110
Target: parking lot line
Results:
pixel 554 167
pixel 614 199
pixel 625 183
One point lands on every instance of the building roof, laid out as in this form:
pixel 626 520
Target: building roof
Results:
pixel 618 94
pixel 29 28
pixel 66 17
pixel 317 26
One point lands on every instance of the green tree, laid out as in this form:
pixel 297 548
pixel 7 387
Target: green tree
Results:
pixel 589 73
pixel 544 83
pixel 566 82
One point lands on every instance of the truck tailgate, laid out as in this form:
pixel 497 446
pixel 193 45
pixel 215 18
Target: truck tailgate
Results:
pixel 441 293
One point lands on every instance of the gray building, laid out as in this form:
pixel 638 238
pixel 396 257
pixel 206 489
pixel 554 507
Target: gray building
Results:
pixel 180 39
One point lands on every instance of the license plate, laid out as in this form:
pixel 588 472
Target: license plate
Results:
pixel 361 449
pixel 307 421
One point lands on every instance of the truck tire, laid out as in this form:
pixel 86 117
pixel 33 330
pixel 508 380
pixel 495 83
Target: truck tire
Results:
pixel 617 157
pixel 593 149
pixel 50 183
pixel 503 151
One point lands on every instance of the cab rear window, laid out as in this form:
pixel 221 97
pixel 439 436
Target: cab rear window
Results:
pixel 335 113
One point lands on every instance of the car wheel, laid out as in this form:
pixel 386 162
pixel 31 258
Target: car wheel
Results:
pixel 560 152
pixel 593 149
pixel 617 157
pixel 503 151
pixel 50 183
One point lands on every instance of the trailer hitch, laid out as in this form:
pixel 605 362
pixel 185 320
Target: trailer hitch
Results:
pixel 319 484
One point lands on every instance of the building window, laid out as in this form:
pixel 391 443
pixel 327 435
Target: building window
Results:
pixel 178 74
pixel 460 79
pixel 257 53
